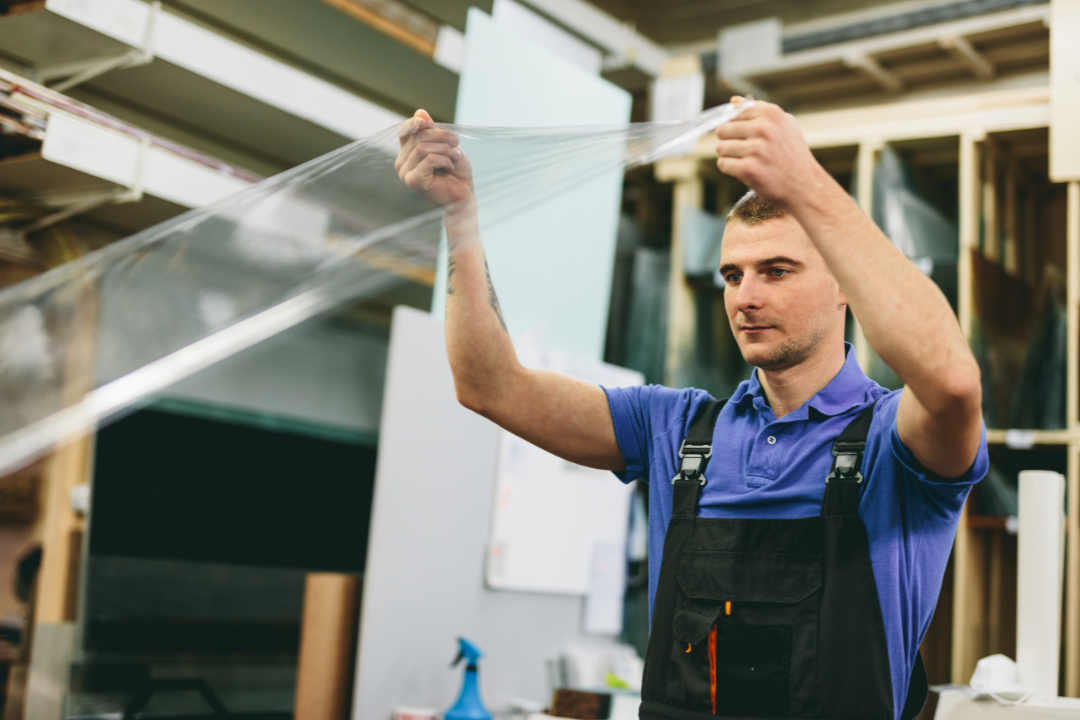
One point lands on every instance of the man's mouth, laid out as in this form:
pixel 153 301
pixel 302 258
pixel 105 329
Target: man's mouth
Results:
pixel 755 328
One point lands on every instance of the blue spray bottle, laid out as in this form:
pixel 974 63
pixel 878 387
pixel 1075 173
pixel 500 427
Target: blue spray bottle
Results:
pixel 468 705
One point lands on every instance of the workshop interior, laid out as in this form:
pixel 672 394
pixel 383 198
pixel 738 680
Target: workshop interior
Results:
pixel 235 478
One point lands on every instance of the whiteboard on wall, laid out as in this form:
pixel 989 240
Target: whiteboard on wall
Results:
pixel 550 517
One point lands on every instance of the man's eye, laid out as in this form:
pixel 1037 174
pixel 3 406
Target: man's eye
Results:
pixel 733 277
pixel 778 272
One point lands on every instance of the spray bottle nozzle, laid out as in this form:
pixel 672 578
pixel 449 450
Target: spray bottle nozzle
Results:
pixel 467 651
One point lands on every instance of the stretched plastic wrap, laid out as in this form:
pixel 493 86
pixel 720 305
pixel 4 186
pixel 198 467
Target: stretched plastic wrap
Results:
pixel 80 344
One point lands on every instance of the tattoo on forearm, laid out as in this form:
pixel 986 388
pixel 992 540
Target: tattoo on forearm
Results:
pixel 451 265
pixel 493 298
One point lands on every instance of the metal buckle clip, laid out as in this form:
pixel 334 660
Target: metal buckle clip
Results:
pixel 844 467
pixel 693 462
pixel 702 451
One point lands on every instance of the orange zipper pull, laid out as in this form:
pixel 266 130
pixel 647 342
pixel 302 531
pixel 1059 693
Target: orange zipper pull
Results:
pixel 727 607
pixel 688 647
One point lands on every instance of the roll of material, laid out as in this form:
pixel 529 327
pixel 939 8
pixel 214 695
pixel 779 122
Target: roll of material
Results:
pixel 1040 570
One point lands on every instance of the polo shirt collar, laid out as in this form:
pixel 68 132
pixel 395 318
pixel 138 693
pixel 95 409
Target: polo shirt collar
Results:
pixel 847 390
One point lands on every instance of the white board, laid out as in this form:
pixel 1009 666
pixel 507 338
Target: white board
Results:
pixel 550 515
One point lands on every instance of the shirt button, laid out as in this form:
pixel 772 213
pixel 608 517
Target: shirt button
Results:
pixel 772 440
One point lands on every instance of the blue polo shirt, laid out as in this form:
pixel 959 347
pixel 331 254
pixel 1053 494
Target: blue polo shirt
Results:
pixel 768 468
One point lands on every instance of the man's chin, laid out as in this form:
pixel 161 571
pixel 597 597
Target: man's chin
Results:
pixel 771 356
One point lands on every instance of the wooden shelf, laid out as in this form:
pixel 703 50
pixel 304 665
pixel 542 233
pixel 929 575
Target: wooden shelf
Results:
pixel 1025 439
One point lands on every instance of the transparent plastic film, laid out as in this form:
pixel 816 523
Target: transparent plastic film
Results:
pixel 82 343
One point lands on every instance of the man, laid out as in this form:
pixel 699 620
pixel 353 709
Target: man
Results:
pixel 796 557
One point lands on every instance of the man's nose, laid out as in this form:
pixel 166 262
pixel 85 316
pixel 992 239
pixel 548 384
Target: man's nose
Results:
pixel 749 294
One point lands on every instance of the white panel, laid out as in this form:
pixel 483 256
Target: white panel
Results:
pixel 123 20
pixel 518 19
pixel 423 582
pixel 1040 562
pixel 203 52
pixel 450 48
pixel 1065 90
pixel 746 48
pixel 186 182
pixel 95 149
pixel 551 264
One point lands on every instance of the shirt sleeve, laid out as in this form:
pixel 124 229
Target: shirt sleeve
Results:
pixel 643 415
pixel 945 490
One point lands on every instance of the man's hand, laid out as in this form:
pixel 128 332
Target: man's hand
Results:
pixel 431 163
pixel 764 149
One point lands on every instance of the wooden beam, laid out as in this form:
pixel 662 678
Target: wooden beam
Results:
pixel 1072 293
pixel 888 81
pixel 1065 90
pixel 865 162
pixel 1072 533
pixel 968 617
pixel 969 599
pixel 394 19
pixel 682 312
pixel 991 236
pixel 962 50
pixel 969 225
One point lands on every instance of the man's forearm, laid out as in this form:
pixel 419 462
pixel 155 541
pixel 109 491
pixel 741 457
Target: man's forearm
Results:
pixel 903 314
pixel 481 354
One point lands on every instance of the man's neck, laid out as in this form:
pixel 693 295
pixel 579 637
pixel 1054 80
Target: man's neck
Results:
pixel 786 390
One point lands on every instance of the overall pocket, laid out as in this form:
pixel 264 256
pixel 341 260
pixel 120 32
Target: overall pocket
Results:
pixel 757 613
pixel 692 679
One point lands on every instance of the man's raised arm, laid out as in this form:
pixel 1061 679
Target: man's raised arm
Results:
pixel 556 412
pixel 904 315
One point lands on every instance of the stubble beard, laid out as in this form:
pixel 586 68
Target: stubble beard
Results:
pixel 788 354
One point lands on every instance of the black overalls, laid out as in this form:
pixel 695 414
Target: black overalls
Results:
pixel 770 618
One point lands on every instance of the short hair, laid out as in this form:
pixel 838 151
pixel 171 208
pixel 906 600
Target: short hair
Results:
pixel 751 210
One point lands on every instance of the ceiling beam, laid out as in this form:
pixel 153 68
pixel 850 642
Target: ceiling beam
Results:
pixel 887 80
pixel 962 50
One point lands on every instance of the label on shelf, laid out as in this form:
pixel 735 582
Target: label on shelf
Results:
pixel 84 145
pixel 1019 439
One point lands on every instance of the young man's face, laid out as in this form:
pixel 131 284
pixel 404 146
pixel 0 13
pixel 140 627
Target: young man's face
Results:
pixel 781 299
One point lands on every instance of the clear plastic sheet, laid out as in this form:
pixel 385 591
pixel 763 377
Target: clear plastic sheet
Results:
pixel 84 342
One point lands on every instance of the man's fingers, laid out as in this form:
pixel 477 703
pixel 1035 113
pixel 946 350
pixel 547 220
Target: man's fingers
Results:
pixel 733 166
pixel 423 175
pixel 735 148
pixel 421 151
pixel 735 130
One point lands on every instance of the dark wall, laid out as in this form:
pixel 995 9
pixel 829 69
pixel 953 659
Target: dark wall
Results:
pixel 170 486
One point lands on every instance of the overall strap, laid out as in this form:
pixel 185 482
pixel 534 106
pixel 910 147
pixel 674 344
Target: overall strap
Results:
pixel 694 454
pixel 844 481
